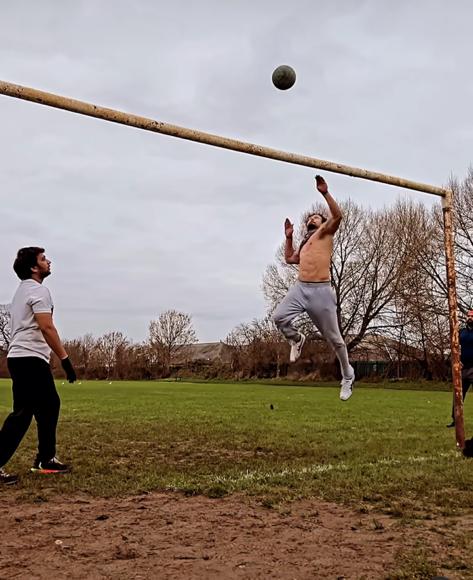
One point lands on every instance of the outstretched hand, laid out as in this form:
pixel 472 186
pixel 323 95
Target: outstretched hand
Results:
pixel 321 184
pixel 288 228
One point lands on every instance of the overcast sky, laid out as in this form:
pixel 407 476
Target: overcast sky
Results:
pixel 137 223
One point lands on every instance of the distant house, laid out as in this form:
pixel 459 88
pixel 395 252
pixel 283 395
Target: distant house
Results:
pixel 378 355
pixel 202 354
pixel 376 347
pixel 374 356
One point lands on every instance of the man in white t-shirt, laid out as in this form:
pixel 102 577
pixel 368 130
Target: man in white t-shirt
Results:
pixel 33 336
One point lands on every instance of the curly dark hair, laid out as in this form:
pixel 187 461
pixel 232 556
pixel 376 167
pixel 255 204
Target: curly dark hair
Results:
pixel 26 259
pixel 321 215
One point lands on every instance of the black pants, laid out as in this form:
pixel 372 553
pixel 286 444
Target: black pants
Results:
pixel 467 381
pixel 34 395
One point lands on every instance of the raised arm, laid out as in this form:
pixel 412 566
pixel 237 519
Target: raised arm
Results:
pixel 290 255
pixel 333 223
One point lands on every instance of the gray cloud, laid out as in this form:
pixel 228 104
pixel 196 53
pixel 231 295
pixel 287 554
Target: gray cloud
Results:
pixel 136 222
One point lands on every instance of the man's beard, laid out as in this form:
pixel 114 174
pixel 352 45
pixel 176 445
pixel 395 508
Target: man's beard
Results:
pixel 470 324
pixel 45 274
pixel 311 227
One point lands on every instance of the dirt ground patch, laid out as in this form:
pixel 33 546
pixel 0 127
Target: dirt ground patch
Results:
pixel 166 535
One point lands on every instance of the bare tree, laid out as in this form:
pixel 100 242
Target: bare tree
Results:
pixel 419 324
pixel 170 334
pixel 463 197
pixel 109 348
pixel 137 363
pixel 415 317
pixel 87 347
pixel 5 332
pixel 371 250
pixel 111 356
pixel 431 257
pixel 82 351
pixel 258 349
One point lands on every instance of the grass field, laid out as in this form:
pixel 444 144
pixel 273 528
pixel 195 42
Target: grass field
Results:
pixel 387 448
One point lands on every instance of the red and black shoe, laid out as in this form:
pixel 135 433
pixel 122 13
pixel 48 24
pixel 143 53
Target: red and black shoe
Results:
pixel 51 466
pixel 7 478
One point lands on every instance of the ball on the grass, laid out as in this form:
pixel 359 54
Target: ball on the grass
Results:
pixel 284 77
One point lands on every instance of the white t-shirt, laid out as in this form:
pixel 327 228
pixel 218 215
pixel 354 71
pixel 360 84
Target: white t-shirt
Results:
pixel 26 338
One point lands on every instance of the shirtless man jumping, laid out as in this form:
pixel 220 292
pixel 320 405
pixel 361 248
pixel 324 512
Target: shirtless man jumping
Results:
pixel 313 293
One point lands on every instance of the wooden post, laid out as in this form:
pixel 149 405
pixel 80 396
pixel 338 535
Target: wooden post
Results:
pixel 52 100
pixel 447 208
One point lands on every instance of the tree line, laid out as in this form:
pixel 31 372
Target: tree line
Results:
pixel 389 275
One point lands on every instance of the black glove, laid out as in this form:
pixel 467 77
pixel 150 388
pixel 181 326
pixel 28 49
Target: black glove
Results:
pixel 69 369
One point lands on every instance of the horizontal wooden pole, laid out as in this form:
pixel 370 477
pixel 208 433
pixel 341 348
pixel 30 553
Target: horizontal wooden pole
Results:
pixel 83 108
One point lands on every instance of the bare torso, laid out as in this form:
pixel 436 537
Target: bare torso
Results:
pixel 314 258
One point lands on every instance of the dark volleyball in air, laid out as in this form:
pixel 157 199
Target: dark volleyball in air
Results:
pixel 284 77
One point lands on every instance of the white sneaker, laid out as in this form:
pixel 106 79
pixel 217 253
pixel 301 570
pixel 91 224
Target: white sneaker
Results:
pixel 346 390
pixel 296 348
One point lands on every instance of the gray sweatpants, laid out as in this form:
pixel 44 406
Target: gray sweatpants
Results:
pixel 319 301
